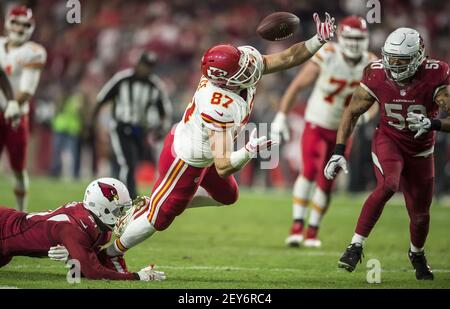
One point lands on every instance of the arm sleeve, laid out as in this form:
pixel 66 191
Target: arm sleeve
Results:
pixel 80 248
pixel 35 60
pixel 29 80
pixel 109 90
pixel 5 86
pixel 371 77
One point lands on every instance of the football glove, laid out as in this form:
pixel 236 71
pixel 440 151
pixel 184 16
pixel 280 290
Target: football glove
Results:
pixel 279 128
pixel 150 274
pixel 136 210
pixel 418 123
pixel 257 144
pixel 333 164
pixel 12 112
pixel 326 29
pixel 58 253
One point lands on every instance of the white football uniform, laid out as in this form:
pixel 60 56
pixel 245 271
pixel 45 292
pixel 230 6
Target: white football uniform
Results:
pixel 334 86
pixel 213 108
pixel 16 61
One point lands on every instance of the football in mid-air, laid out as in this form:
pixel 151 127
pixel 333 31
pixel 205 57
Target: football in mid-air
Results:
pixel 278 26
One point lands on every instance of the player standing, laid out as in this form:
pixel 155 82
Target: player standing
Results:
pixel 74 230
pixel 22 60
pixel 197 161
pixel 336 71
pixel 409 90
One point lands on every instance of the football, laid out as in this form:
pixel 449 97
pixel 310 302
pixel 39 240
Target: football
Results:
pixel 278 26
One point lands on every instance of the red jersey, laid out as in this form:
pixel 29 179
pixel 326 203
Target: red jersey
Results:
pixel 396 100
pixel 71 225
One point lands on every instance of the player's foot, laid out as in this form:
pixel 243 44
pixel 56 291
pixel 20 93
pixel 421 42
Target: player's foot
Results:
pixel 296 237
pixel 419 262
pixel 352 255
pixel 311 239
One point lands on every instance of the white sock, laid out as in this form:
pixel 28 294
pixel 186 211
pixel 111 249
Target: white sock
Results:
pixel 136 232
pixel 21 186
pixel 319 205
pixel 415 249
pixel 203 199
pixel 301 197
pixel 358 239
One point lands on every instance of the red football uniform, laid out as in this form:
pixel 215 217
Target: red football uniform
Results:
pixel 401 161
pixel 415 96
pixel 71 225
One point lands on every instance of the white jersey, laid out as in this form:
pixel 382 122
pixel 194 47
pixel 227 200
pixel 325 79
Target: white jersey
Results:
pixel 15 61
pixel 334 86
pixel 216 109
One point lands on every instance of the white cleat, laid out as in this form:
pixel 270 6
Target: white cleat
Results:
pixel 294 240
pixel 312 243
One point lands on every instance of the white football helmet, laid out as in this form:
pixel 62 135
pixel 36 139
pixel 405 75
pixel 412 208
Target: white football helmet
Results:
pixel 19 24
pixel 108 199
pixel 353 36
pixel 403 53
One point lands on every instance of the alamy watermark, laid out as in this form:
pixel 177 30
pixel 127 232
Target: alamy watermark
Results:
pixel 374 271
pixel 73 15
pixel 74 274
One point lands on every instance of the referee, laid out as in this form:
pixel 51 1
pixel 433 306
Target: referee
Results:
pixel 139 103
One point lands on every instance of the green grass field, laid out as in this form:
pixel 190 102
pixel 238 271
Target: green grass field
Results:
pixel 242 246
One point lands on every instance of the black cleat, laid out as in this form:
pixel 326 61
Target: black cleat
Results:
pixel 419 262
pixel 352 255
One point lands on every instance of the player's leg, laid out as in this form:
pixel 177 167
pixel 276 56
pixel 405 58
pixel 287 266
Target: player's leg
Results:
pixel 215 190
pixel 304 183
pixel 417 184
pixel 388 165
pixel 16 146
pixel 171 194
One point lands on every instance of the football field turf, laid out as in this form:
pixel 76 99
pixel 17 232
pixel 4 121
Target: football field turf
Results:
pixel 242 246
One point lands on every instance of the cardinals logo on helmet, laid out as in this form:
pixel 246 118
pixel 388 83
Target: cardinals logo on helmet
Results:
pixel 108 191
pixel 215 73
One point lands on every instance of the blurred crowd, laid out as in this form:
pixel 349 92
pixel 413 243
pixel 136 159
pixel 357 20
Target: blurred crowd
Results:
pixel 113 33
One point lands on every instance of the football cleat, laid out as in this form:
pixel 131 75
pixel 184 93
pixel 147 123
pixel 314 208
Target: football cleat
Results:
pixel 352 255
pixel 295 239
pixel 419 262
pixel 311 240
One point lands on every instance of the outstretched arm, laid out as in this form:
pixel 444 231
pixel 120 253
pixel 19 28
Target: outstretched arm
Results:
pixel 300 52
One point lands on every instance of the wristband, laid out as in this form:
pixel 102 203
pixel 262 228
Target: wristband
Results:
pixel 340 149
pixel 313 44
pixel 240 157
pixel 436 125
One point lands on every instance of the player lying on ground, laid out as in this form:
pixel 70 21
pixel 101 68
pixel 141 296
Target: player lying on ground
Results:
pixel 336 71
pixel 409 89
pixel 76 231
pixel 197 161
pixel 22 61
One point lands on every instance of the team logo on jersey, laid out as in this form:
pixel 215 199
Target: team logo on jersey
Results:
pixel 108 191
pixel 403 92
pixel 216 73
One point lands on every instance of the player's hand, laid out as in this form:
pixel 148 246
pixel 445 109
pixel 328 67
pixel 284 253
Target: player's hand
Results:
pixel 12 112
pixel 333 164
pixel 257 144
pixel 58 253
pixel 326 29
pixel 150 274
pixel 279 128
pixel 418 123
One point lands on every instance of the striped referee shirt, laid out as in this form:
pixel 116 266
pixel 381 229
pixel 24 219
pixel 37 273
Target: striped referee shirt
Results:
pixel 136 101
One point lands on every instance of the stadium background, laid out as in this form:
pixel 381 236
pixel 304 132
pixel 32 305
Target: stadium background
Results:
pixel 82 57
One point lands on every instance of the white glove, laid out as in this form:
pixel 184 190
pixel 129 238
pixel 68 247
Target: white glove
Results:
pixel 58 253
pixel 12 112
pixel 257 144
pixel 419 123
pixel 326 29
pixel 279 128
pixel 150 274
pixel 138 203
pixel 335 161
